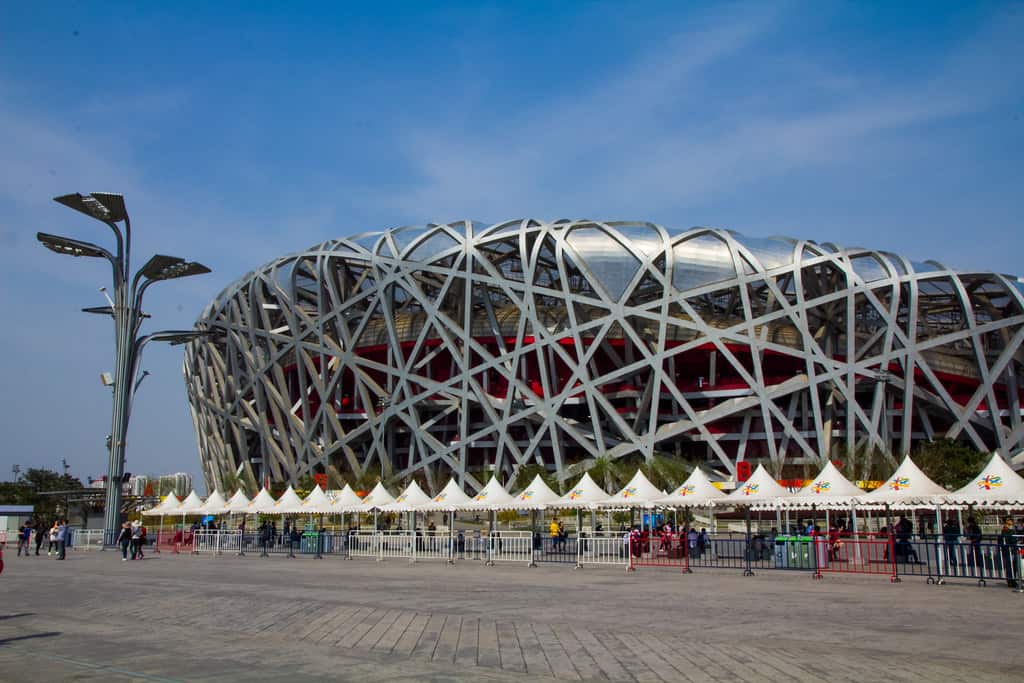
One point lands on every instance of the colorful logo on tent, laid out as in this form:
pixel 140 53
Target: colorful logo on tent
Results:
pixel 686 490
pixel 990 482
pixel 821 486
pixel 629 492
pixel 439 497
pixel 574 495
pixel 526 495
pixel 900 483
pixel 750 489
pixel 480 496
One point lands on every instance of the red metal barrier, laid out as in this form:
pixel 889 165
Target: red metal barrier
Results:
pixel 173 541
pixel 860 555
pixel 660 550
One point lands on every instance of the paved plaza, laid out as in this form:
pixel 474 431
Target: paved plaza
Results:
pixel 178 617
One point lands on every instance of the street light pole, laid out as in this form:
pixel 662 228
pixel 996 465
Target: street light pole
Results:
pixel 126 310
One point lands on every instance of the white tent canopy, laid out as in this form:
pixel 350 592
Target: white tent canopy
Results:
pixel 997 485
pixel 908 485
pixel 696 491
pixel 317 502
pixel 830 489
pixel 536 496
pixel 237 503
pixel 214 505
pixel 492 496
pixel 288 504
pixel 377 498
pixel 168 506
pixel 408 500
pixel 450 498
pixel 192 505
pixel 639 492
pixel 759 489
pixel 262 503
pixel 346 501
pixel 585 494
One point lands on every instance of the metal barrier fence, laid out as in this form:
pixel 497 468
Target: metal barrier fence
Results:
pixel 506 548
pixel 856 555
pixel 602 550
pixel 659 550
pixel 979 558
pixel 87 539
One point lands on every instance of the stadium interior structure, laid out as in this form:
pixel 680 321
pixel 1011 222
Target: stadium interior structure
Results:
pixel 468 348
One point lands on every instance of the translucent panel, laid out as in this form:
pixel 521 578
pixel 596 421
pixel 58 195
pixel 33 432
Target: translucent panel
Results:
pixel 366 240
pixel 924 267
pixel 404 236
pixel 611 264
pixel 772 252
pixel 868 268
pixel 428 249
pixel 701 261
pixel 642 238
pixel 897 262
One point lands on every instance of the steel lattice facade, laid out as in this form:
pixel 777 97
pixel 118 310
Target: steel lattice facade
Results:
pixel 465 347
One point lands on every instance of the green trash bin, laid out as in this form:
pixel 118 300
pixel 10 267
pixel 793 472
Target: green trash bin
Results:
pixel 801 550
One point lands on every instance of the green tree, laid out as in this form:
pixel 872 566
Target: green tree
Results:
pixel 35 482
pixel 949 463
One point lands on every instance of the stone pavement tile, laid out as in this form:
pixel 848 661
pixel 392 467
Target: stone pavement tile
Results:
pixel 466 650
pixel 740 669
pixel 509 648
pixel 363 627
pixel 557 658
pixel 354 618
pixel 536 663
pixel 785 665
pixel 602 655
pixel 488 652
pixel 390 638
pixel 581 661
pixel 373 636
pixel 407 643
pixel 429 637
pixel 448 640
pixel 637 658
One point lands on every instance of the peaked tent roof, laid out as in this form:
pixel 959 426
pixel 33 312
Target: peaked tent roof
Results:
pixel 262 502
pixel 237 503
pixel 450 498
pixel 585 494
pixel 377 498
pixel 997 484
pixel 214 505
pixel 829 489
pixel 408 500
pixel 639 492
pixel 288 504
pixel 696 491
pixel 346 501
pixel 191 505
pixel 760 488
pixel 167 506
pixel 908 485
pixel 492 496
pixel 316 502
pixel 536 496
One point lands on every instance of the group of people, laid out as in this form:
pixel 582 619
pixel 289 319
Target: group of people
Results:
pixel 57 534
pixel 132 538
pixel 671 542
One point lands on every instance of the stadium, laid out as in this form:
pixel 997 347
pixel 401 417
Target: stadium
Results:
pixel 466 348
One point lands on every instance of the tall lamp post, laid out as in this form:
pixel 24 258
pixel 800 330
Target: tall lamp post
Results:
pixel 126 310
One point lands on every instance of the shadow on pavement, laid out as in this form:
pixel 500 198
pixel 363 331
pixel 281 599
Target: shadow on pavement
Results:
pixel 45 634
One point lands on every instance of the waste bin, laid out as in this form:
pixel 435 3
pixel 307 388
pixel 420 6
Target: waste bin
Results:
pixel 309 541
pixel 801 550
pixel 782 551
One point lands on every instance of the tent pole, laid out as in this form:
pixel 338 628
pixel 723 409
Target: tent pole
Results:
pixel 748 571
pixel 939 554
pixel 490 539
pixel 412 531
pixel 451 537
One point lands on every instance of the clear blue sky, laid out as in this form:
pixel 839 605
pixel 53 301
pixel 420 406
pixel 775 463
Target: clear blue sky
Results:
pixel 239 134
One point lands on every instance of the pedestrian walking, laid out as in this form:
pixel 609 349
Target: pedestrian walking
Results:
pixel 62 537
pixel 136 537
pixel 24 534
pixel 124 539
pixel 52 548
pixel 41 533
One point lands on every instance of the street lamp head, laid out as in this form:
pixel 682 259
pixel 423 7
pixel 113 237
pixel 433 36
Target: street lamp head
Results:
pixel 70 247
pixel 156 266
pixel 176 337
pixel 180 268
pixel 103 206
